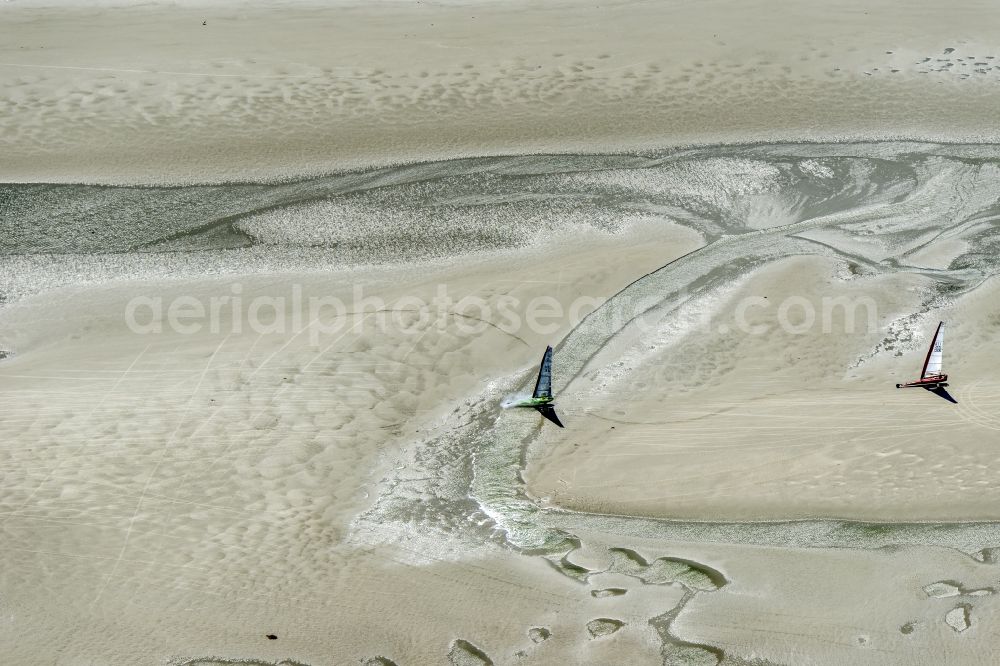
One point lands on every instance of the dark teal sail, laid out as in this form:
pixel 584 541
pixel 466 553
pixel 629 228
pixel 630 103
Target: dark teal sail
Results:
pixel 543 387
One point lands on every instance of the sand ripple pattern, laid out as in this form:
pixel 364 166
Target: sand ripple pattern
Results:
pixel 876 209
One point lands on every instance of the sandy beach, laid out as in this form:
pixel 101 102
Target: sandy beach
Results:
pixel 226 91
pixel 270 276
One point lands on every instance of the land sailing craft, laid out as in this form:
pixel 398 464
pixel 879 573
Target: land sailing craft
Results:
pixel 542 398
pixel 931 376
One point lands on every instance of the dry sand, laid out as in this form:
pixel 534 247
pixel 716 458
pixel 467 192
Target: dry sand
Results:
pixel 121 93
pixel 717 497
pixel 182 495
pixel 786 424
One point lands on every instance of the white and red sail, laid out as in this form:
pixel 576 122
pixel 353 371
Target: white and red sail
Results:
pixel 932 374
pixel 932 364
